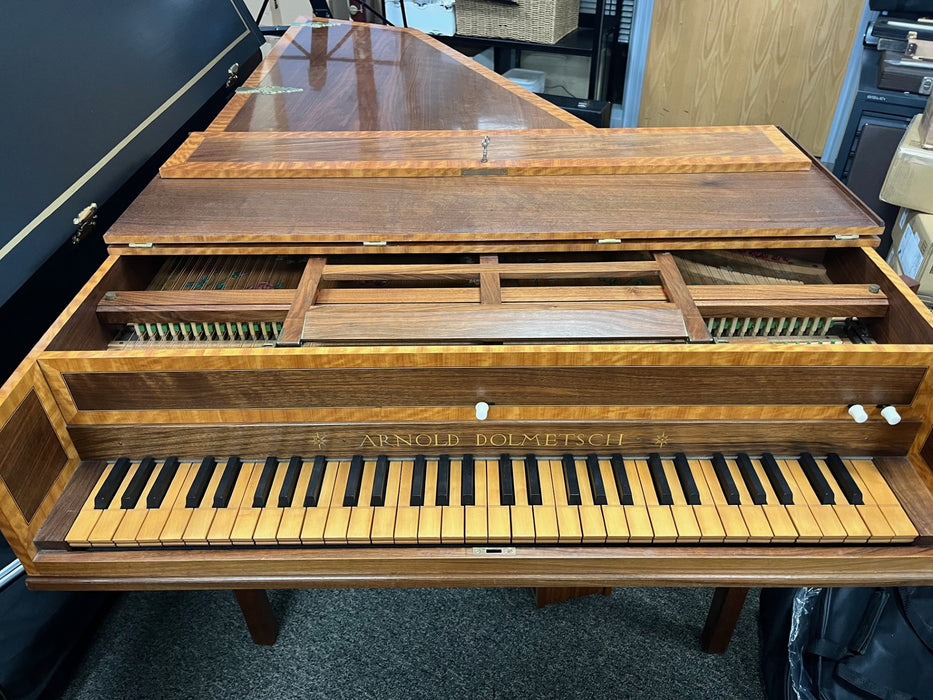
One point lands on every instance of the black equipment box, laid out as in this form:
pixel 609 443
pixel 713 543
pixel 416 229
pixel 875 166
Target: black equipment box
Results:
pixel 595 112
pixel 895 72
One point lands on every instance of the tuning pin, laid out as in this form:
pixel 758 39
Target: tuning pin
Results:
pixel 857 411
pixel 890 414
pixel 482 410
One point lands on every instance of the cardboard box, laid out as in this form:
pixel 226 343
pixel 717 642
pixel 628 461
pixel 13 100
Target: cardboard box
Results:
pixel 912 248
pixel 926 125
pixel 909 182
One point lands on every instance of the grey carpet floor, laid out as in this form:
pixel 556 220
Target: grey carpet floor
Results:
pixel 419 643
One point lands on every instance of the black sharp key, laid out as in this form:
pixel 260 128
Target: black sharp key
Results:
pixel 137 483
pixel 752 482
pixel 380 479
pixel 729 489
pixel 264 487
pixel 227 481
pixel 109 488
pixel 533 481
pixel 467 481
pixel 313 494
pixel 570 481
pixel 596 481
pixel 418 475
pixel 784 495
pixel 842 476
pixel 685 476
pixel 621 478
pixel 290 482
pixel 351 494
pixel 659 479
pixel 199 485
pixel 166 475
pixel 442 495
pixel 506 481
pixel 816 479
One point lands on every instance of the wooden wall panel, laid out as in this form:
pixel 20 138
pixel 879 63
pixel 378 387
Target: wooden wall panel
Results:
pixel 717 62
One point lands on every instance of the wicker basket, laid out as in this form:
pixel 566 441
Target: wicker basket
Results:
pixel 542 21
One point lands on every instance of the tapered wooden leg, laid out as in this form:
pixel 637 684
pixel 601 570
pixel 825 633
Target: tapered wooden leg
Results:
pixel 720 622
pixel 260 618
pixel 547 596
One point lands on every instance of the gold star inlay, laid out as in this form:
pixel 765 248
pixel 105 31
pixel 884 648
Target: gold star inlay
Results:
pixel 661 439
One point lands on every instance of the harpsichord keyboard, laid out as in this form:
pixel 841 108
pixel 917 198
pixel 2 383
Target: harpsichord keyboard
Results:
pixel 462 499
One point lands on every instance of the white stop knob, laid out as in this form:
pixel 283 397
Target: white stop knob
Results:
pixel 857 411
pixel 482 410
pixel 890 414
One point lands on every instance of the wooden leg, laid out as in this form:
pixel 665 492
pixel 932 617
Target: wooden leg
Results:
pixel 260 618
pixel 722 618
pixel 547 596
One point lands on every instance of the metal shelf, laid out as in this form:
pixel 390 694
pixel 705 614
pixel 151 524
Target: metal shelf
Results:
pixel 578 43
pixel 582 41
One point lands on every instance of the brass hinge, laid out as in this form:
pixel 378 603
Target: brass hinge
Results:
pixel 233 74
pixel 86 222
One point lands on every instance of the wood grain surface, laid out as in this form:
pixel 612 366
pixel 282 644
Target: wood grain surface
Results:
pixel 468 323
pixel 580 245
pixel 69 504
pixel 361 77
pixel 204 305
pixel 750 300
pixel 632 437
pixel 38 457
pixel 290 567
pixel 908 320
pixel 711 300
pixel 495 210
pixel 911 493
pixel 749 62
pixel 207 389
pixel 28 437
pixel 305 297
pixel 465 153
pixel 676 290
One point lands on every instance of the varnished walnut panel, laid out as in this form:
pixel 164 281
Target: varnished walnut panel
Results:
pixel 598 246
pixel 34 437
pixel 458 566
pixel 548 438
pixel 911 485
pixel 31 455
pixel 706 208
pixel 188 306
pixel 458 386
pixel 443 323
pixel 471 153
pixel 362 77
pixel 77 328
pixel 908 320
pixel 55 528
